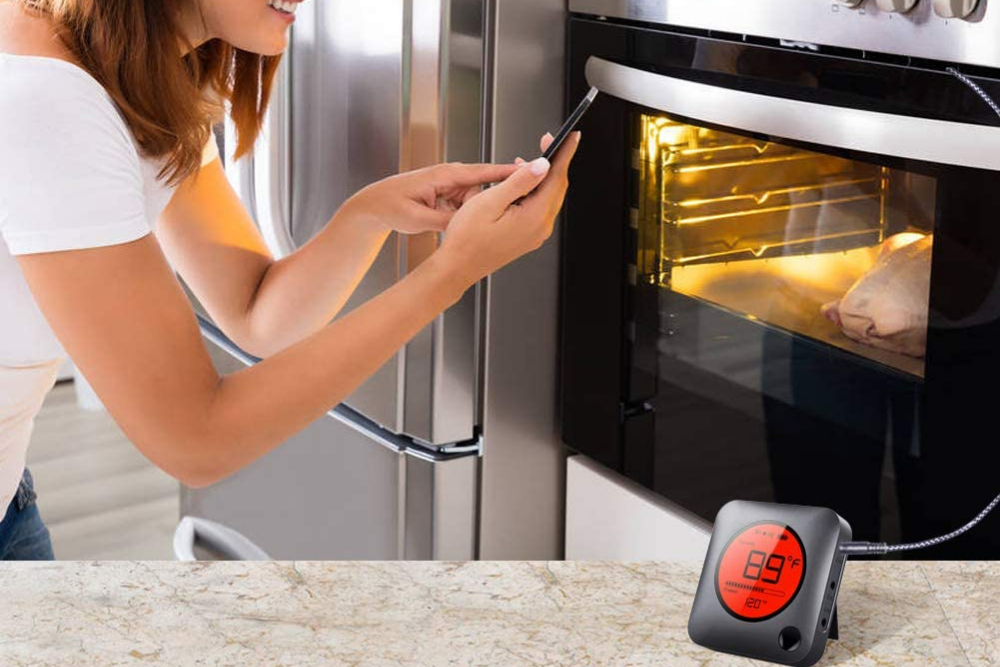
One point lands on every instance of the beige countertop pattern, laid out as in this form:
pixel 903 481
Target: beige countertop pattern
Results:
pixel 398 614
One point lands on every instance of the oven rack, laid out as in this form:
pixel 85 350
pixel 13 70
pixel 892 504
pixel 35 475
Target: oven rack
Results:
pixel 736 252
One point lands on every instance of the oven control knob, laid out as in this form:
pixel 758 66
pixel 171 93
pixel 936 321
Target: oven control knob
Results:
pixel 850 3
pixel 901 6
pixel 955 9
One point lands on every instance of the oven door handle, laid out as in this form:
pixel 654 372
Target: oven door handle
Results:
pixel 910 137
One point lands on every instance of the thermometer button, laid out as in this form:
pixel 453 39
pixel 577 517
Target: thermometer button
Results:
pixel 789 638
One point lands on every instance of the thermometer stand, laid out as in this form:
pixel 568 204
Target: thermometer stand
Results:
pixel 834 628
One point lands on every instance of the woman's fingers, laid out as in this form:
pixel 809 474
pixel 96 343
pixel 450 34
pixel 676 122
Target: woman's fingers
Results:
pixel 520 183
pixel 552 190
pixel 564 156
pixel 467 175
pixel 547 139
pixel 560 164
pixel 519 179
pixel 431 219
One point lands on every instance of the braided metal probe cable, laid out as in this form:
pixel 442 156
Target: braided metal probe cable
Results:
pixel 944 538
pixel 976 87
pixel 877 548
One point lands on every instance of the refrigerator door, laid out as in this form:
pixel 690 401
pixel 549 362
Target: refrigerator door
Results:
pixel 343 490
pixel 368 90
pixel 524 461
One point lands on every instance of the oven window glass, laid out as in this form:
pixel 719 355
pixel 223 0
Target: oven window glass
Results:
pixel 748 316
pixel 820 247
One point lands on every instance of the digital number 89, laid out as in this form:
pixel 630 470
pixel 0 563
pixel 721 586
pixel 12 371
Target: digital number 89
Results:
pixel 758 562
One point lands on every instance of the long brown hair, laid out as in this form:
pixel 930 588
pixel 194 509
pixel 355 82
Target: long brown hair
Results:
pixel 133 48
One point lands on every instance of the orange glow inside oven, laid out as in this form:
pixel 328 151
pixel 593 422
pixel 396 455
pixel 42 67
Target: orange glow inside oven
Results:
pixel 773 232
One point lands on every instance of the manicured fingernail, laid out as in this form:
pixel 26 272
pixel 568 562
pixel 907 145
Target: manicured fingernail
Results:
pixel 539 166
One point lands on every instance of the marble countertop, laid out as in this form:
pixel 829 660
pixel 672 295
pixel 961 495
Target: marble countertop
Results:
pixel 504 614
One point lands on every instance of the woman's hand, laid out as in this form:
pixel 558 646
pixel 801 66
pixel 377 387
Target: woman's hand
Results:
pixel 423 200
pixel 513 218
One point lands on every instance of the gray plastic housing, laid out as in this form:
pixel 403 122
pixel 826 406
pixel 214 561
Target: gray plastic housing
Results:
pixel 821 531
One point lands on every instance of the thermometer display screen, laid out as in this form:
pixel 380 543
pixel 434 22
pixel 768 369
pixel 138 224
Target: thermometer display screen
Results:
pixel 761 571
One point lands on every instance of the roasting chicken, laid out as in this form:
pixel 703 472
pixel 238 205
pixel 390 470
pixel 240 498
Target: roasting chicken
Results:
pixel 887 306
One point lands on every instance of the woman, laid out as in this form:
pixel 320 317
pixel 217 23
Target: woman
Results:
pixel 105 109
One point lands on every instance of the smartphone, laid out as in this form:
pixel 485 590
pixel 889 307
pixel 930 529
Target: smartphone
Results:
pixel 570 124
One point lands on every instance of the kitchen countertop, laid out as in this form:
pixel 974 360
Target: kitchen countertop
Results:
pixel 505 614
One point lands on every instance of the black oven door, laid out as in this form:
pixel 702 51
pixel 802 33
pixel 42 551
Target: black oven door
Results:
pixel 780 281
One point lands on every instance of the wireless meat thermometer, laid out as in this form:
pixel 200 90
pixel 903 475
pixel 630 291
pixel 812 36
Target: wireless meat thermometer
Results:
pixel 770 582
pixel 769 586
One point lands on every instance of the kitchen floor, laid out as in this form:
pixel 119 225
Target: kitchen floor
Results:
pixel 100 497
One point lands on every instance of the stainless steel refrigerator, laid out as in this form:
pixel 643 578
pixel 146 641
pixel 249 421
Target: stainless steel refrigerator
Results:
pixel 450 451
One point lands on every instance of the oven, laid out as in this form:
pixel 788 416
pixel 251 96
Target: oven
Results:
pixel 780 259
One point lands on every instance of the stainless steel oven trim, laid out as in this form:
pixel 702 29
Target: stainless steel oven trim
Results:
pixel 918 33
pixel 923 139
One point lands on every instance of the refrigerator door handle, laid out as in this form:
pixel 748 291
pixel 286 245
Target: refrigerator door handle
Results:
pixel 346 415
pixel 923 139
pixel 221 539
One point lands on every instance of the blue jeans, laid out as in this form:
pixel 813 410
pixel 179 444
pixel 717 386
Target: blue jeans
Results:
pixel 23 536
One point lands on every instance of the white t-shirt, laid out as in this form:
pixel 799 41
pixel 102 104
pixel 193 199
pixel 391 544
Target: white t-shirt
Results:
pixel 71 177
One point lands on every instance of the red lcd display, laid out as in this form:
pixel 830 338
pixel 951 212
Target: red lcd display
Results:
pixel 761 571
